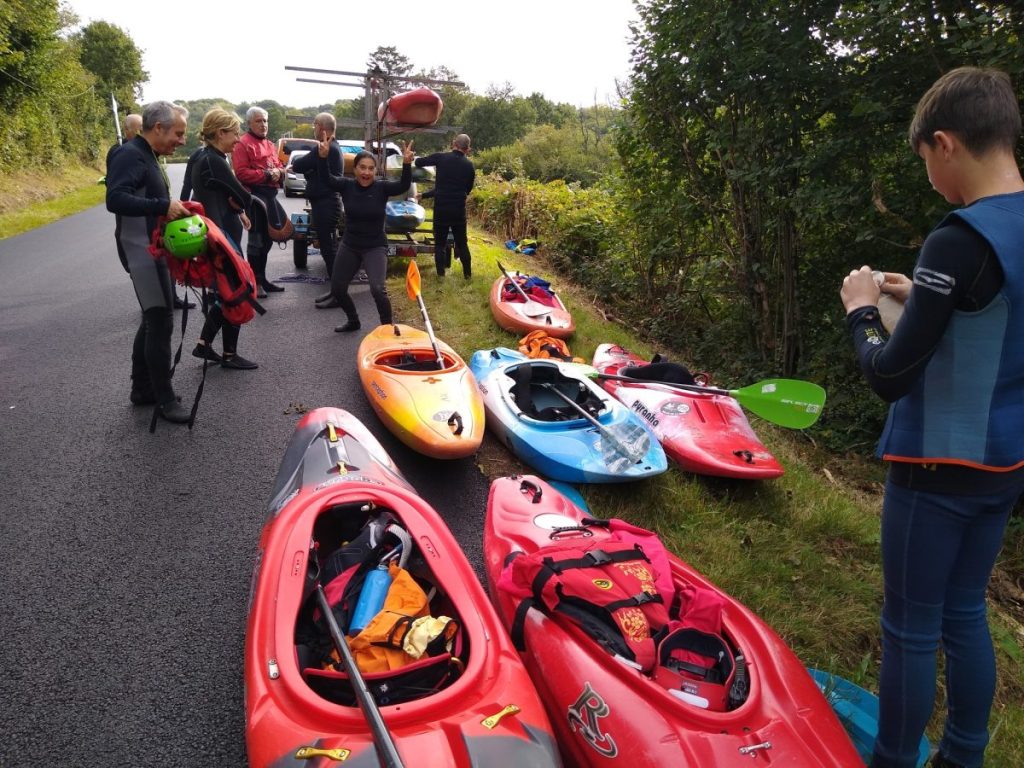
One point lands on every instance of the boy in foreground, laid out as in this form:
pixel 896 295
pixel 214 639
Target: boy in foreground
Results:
pixel 953 370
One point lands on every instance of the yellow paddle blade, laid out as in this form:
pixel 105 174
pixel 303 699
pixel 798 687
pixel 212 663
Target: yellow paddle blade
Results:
pixel 412 280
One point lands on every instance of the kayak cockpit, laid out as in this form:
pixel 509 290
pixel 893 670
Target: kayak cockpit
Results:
pixel 408 640
pixel 414 361
pixel 540 391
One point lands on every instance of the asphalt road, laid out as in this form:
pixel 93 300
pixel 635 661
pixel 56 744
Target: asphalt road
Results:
pixel 125 556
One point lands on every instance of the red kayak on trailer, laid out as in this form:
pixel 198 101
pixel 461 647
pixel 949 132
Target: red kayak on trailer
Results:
pixel 419 107
pixel 640 697
pixel 704 433
pixel 339 509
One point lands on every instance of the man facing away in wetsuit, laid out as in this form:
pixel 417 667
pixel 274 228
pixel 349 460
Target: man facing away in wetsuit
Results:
pixel 455 178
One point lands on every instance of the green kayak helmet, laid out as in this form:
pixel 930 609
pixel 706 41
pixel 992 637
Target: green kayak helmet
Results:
pixel 185 238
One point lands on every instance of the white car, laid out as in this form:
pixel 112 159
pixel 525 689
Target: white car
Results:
pixel 294 183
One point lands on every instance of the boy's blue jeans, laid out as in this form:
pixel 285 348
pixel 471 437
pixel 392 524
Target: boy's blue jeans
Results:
pixel 938 551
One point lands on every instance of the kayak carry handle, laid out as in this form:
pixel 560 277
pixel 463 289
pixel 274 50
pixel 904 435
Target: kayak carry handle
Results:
pixel 526 486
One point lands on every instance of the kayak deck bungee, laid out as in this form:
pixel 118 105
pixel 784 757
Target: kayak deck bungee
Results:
pixel 703 433
pixel 434 409
pixel 592 439
pixel 606 711
pixel 471 704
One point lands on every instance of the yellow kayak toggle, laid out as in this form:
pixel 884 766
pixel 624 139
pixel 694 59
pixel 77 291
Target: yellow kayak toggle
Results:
pixel 492 721
pixel 308 753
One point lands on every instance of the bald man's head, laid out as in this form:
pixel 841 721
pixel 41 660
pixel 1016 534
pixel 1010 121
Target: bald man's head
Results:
pixel 132 125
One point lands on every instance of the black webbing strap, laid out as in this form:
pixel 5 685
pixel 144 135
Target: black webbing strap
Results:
pixel 517 630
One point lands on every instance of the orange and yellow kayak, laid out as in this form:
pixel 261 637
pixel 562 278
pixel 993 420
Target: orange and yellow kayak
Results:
pixel 435 409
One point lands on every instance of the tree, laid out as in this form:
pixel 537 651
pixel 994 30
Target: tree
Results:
pixel 765 154
pixel 39 98
pixel 389 61
pixel 111 55
pixel 494 122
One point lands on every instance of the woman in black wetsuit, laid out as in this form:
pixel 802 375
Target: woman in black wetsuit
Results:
pixel 226 202
pixel 364 244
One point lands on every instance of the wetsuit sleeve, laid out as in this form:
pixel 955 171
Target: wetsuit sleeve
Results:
pixel 306 163
pixel 330 179
pixel 126 176
pixel 471 180
pixel 422 162
pixel 956 270
pixel 392 188
pixel 186 184
pixel 214 173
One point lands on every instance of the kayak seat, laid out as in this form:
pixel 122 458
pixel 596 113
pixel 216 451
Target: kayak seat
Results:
pixel 673 373
pixel 533 393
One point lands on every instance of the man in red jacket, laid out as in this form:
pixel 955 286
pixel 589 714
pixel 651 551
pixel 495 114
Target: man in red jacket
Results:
pixel 254 160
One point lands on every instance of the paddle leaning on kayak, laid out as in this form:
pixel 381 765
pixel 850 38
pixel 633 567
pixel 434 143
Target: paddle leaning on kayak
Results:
pixel 364 244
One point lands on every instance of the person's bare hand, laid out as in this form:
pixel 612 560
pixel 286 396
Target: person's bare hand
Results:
pixel 246 224
pixel 325 143
pixel 859 290
pixel 896 285
pixel 407 154
pixel 175 210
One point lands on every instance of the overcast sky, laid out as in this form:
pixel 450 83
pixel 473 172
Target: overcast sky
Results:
pixel 569 50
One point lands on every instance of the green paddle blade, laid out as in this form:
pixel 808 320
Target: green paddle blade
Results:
pixel 787 402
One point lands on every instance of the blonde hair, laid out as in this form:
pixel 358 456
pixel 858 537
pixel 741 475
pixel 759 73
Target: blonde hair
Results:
pixel 218 119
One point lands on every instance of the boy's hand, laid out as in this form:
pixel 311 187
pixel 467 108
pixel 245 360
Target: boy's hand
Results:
pixel 859 290
pixel 896 285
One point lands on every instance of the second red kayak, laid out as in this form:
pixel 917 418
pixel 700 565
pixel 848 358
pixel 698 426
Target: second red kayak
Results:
pixel 626 690
pixel 704 433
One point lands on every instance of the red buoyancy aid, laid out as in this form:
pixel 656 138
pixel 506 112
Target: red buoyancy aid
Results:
pixel 221 267
pixel 608 587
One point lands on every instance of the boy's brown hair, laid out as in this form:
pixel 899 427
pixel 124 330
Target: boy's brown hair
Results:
pixel 978 105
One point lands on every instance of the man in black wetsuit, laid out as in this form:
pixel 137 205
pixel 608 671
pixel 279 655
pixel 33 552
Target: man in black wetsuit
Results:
pixel 324 203
pixel 138 193
pixel 455 178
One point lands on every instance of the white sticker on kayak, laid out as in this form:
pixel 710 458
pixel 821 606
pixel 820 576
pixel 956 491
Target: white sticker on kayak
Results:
pixel 584 715
pixel 767 388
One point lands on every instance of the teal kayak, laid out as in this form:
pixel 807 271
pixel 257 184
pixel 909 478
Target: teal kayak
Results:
pixel 559 422
pixel 857 710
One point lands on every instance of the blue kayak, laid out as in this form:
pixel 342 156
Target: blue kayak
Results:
pixel 857 710
pixel 560 423
pixel 403 216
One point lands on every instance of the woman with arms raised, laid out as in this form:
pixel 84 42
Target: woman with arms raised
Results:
pixel 364 244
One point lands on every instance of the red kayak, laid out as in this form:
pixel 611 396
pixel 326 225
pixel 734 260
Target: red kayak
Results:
pixel 420 107
pixel 704 433
pixel 529 307
pixel 339 505
pixel 645 709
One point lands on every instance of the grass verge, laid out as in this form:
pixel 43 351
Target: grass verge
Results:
pixel 801 551
pixel 31 199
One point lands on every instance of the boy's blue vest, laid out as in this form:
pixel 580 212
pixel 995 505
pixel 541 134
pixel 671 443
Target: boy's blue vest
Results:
pixel 968 406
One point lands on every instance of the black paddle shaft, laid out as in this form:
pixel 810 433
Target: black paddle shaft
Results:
pixel 386 749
